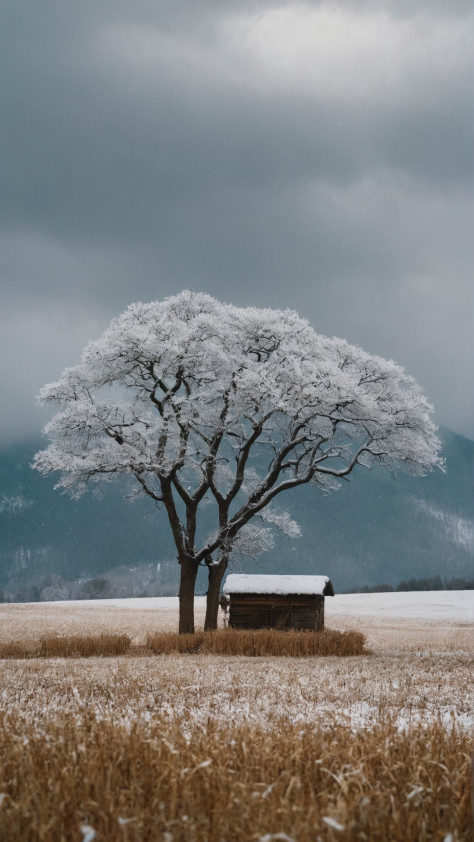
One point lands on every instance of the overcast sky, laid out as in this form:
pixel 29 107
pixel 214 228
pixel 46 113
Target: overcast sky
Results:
pixel 311 155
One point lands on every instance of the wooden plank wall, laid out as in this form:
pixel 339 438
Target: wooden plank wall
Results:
pixel 257 611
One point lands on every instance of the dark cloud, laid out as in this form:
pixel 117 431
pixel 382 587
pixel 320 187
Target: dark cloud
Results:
pixel 312 156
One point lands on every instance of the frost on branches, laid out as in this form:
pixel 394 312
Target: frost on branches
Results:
pixel 201 403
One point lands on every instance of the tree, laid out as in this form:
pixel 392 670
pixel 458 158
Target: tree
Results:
pixel 203 404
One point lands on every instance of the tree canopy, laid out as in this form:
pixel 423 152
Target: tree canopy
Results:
pixel 202 403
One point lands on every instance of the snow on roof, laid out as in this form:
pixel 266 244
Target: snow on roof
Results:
pixel 281 585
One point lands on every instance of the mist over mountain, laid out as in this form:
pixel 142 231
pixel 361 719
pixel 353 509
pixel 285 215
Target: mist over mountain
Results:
pixel 374 529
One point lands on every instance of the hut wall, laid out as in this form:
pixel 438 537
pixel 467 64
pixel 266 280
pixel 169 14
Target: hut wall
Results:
pixel 258 611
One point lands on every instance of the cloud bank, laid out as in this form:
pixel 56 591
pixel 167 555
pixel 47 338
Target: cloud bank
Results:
pixel 311 155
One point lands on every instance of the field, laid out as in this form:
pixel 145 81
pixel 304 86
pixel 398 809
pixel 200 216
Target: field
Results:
pixel 212 747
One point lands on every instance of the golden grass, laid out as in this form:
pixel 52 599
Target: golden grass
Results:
pixel 223 642
pixel 356 690
pixel 69 646
pixel 84 645
pixel 255 643
pixel 376 743
pixel 17 649
pixel 206 784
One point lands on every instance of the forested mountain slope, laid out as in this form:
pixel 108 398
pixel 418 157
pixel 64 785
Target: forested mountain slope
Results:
pixel 374 529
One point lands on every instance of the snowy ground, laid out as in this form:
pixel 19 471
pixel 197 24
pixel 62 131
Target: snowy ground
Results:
pixel 451 606
pixel 417 620
pixel 420 666
pixel 418 671
pixel 444 606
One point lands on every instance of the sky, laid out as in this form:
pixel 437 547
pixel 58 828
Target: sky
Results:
pixel 317 156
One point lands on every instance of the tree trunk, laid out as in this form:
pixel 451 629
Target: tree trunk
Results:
pixel 216 573
pixel 186 595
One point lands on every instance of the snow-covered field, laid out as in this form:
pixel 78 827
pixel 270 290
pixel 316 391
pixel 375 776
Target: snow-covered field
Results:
pixel 450 606
pixel 420 665
pixel 418 672
pixel 441 606
pixel 441 620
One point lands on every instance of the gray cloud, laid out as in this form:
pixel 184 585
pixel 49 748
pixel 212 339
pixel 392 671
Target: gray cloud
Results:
pixel 315 156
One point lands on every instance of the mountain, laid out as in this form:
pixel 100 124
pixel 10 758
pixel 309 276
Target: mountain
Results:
pixel 374 529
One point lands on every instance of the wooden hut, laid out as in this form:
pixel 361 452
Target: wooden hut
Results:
pixel 278 602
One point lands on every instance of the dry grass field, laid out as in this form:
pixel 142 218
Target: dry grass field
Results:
pixel 203 747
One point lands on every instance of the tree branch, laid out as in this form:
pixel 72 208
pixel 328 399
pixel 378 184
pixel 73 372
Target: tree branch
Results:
pixel 149 491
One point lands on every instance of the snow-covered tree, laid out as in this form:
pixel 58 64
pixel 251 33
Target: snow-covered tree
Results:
pixel 204 405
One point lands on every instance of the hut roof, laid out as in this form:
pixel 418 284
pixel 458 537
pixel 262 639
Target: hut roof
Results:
pixel 242 583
